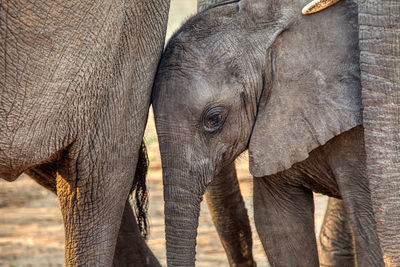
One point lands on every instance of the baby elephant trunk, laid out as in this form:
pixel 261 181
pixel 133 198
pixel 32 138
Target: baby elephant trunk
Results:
pixel 182 196
pixel 184 186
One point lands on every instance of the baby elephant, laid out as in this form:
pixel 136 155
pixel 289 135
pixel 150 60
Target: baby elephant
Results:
pixel 258 75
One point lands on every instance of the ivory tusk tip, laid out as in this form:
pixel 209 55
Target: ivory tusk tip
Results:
pixel 307 9
pixel 317 5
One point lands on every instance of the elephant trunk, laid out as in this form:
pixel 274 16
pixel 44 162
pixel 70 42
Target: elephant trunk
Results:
pixel 182 210
pixel 183 173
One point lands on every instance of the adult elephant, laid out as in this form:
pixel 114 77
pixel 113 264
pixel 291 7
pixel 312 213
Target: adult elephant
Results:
pixel 75 87
pixel 233 70
pixel 380 77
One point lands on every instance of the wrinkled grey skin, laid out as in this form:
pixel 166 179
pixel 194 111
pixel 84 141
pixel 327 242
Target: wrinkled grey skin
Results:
pixel 250 74
pixel 380 77
pixel 230 217
pixel 75 87
pixel 336 246
pixel 131 249
pixel 286 197
pixel 204 4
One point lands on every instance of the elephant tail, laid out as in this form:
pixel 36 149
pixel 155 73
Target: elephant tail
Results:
pixel 140 190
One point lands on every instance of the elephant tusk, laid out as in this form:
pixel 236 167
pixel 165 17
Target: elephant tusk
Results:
pixel 317 5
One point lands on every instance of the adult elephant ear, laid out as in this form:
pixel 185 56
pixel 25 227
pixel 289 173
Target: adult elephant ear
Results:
pixel 311 91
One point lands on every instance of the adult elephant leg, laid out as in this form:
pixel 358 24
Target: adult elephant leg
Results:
pixel 229 215
pixel 359 210
pixel 73 201
pixel 380 77
pixel 131 249
pixel 336 246
pixel 45 175
pixel 91 201
pixel 284 218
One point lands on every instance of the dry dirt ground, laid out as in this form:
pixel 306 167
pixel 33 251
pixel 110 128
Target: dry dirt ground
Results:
pixel 31 231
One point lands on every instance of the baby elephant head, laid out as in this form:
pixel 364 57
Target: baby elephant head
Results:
pixel 254 75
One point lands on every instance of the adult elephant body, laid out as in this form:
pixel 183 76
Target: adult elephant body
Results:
pixel 380 77
pixel 257 74
pixel 75 88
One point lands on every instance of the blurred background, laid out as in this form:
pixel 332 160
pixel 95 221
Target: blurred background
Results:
pixel 31 230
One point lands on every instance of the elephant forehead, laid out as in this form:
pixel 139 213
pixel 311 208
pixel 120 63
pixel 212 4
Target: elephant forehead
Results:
pixel 193 93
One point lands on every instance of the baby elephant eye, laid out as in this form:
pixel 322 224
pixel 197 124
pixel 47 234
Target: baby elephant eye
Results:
pixel 214 117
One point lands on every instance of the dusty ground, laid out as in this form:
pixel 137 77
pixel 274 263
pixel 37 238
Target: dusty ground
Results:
pixel 31 231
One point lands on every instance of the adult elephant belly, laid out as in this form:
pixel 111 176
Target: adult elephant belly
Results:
pixel 75 88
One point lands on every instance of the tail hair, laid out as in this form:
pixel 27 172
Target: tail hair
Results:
pixel 140 190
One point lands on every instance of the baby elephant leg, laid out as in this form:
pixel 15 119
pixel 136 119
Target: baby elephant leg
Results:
pixel 230 217
pixel 284 217
pixel 336 246
pixel 357 201
pixel 347 161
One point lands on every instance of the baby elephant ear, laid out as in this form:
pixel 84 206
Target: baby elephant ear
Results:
pixel 313 92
